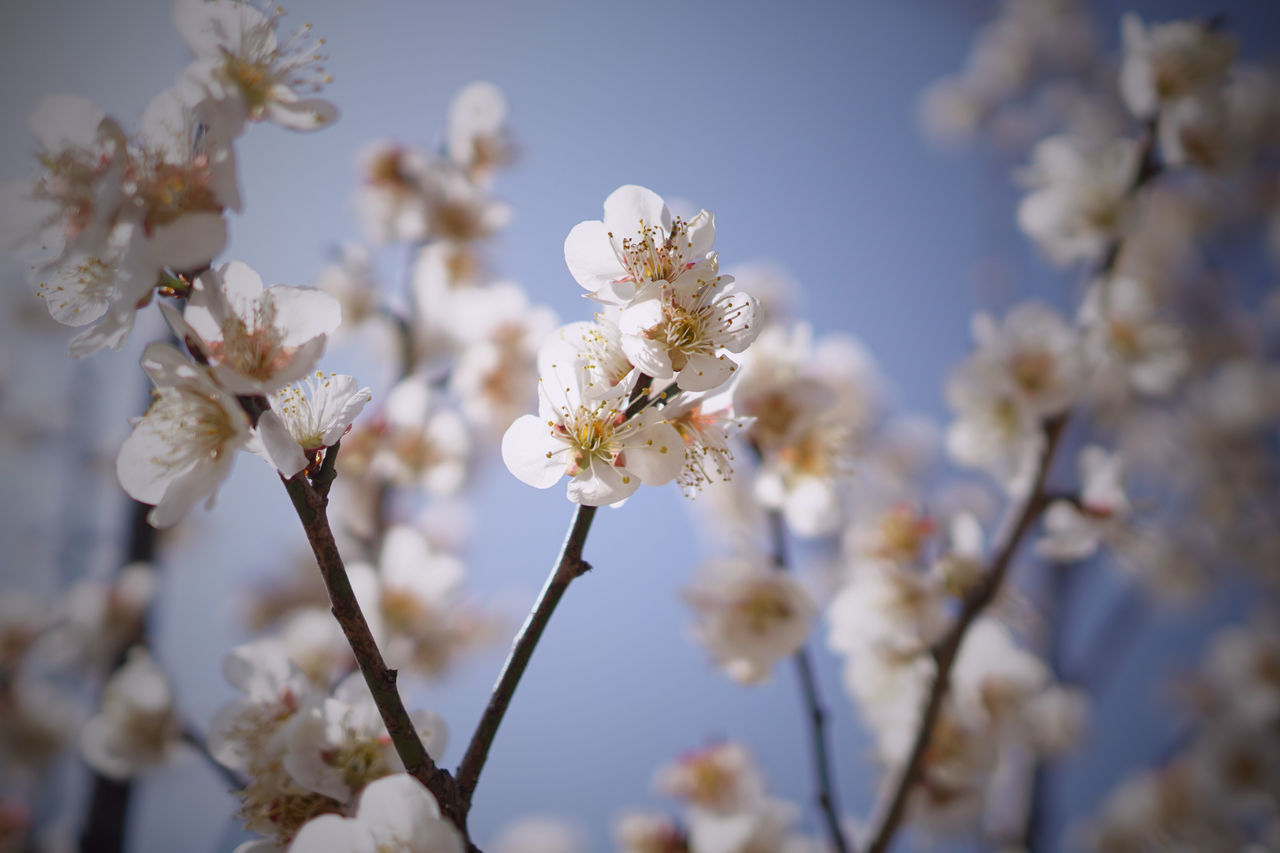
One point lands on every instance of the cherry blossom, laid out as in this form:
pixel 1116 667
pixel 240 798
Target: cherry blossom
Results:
pixel 606 454
pixel 248 71
pixel 636 243
pixel 255 339
pixel 1169 61
pixel 137 726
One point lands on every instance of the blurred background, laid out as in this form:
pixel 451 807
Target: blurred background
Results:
pixel 798 125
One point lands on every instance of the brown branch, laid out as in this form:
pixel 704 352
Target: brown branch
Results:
pixel 945 652
pixel 824 778
pixel 311 503
pixel 569 566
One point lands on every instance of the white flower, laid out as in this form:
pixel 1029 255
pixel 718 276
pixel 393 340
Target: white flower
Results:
pixel 182 448
pixel 426 619
pixel 496 369
pixel 396 813
pixel 606 454
pixel 458 209
pixel 352 280
pixel 705 423
pixel 75 203
pixel 642 832
pixel 679 329
pixel 995 429
pixel 248 71
pixel 1038 350
pixel 389 200
pixel 255 339
pixel 427 443
pixel 137 727
pixel 1169 61
pixel 476 140
pixel 338 746
pixel 721 778
pixel 1073 532
pixel 759 829
pixel 1125 343
pixel 750 615
pixel 320 414
pixel 636 243
pixel 243 732
pixel 540 834
pixel 1078 198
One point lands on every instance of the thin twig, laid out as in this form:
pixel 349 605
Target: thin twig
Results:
pixel 569 566
pixel 945 652
pixel 824 778
pixel 311 503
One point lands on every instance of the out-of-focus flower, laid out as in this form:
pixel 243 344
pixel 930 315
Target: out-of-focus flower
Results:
pixel 1074 531
pixel 137 727
pixel 642 832
pixel 395 813
pixel 249 72
pixel 340 745
pixel 1169 61
pixel 750 616
pixel 1079 198
pixel 721 778
pixel 540 834
pixel 476 139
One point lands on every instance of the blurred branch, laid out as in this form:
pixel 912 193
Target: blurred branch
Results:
pixel 568 566
pixel 945 652
pixel 824 778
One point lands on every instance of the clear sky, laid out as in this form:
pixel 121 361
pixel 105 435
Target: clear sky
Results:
pixel 795 123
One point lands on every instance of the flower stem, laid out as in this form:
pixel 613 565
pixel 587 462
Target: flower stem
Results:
pixel 946 650
pixel 569 566
pixel 817 715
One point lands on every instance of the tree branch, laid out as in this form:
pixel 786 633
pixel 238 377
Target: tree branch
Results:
pixel 945 652
pixel 809 695
pixel 569 566
pixel 311 505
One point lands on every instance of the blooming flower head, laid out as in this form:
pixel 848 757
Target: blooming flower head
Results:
pixel 248 70
pixel 318 412
pixel 637 242
pixel 183 447
pixel 605 453
pixel 256 339
pixel 681 329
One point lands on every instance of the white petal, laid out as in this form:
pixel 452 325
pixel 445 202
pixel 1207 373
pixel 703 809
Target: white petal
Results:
pixel 532 454
pixel 703 372
pixel 283 451
pixel 333 834
pixel 601 484
pixel 629 206
pixel 655 454
pixel 304 312
pixel 590 257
